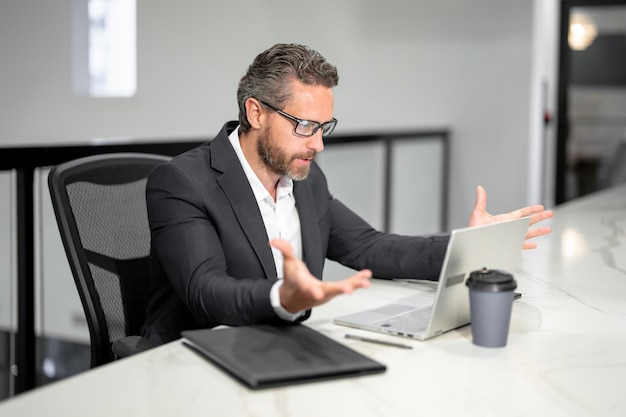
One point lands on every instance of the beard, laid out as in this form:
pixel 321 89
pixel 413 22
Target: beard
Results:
pixel 278 162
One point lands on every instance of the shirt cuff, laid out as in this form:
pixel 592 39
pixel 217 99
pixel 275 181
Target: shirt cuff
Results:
pixel 278 308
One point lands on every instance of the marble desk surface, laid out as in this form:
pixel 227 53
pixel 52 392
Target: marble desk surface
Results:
pixel 566 352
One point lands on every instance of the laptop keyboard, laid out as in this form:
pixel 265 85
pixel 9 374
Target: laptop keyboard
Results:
pixel 412 321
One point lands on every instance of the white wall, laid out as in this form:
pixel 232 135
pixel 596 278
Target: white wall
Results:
pixel 403 64
pixel 543 101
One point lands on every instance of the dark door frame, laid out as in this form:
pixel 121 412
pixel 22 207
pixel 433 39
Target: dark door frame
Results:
pixel 563 83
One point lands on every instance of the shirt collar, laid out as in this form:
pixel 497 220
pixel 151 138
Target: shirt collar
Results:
pixel 285 185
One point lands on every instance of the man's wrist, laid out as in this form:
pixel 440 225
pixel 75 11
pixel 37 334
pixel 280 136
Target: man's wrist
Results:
pixel 278 307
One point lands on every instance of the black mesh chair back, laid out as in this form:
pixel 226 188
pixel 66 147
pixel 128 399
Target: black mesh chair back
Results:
pixel 100 208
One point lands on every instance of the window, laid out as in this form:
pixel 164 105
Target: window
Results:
pixel 104 48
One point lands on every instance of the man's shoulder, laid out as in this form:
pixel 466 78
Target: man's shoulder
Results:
pixel 316 177
pixel 314 185
pixel 202 155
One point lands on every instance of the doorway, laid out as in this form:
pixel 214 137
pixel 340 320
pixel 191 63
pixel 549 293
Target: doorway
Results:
pixel 591 131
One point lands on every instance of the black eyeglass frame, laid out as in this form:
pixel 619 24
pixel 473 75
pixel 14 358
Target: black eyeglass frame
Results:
pixel 303 122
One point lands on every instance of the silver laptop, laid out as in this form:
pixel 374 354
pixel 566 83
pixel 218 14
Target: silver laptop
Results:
pixel 426 315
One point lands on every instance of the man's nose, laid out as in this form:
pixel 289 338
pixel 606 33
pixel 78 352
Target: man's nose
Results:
pixel 316 142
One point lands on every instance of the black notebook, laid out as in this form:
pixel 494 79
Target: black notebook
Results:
pixel 264 356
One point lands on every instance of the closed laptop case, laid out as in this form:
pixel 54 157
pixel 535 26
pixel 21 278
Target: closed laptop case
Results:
pixel 264 356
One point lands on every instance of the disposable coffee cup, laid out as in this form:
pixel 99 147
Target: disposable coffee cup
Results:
pixel 491 293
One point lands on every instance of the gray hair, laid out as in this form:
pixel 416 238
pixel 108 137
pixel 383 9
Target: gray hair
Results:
pixel 268 76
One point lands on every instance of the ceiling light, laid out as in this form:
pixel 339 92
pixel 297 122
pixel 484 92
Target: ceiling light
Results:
pixel 582 32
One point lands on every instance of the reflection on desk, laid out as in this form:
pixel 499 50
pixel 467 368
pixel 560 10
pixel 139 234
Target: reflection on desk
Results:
pixel 566 353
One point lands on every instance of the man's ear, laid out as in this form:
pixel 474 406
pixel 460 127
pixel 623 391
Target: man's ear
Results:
pixel 255 113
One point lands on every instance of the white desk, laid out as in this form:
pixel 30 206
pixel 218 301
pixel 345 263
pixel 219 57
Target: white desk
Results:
pixel 566 354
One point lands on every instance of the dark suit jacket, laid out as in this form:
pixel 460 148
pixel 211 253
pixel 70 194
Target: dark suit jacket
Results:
pixel 211 260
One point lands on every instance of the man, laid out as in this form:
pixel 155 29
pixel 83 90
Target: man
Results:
pixel 214 209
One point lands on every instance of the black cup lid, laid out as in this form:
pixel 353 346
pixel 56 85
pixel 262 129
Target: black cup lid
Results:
pixel 492 280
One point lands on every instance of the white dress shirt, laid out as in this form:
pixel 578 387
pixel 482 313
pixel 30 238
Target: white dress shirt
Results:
pixel 280 218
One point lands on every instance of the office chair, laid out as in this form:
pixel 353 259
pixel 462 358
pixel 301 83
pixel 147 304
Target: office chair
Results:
pixel 100 208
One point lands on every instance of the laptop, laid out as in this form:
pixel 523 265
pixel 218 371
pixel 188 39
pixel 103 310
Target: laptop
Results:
pixel 425 315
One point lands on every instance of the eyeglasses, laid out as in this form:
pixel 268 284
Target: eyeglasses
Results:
pixel 305 128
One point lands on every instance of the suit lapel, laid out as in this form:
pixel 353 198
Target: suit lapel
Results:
pixel 235 185
pixel 309 227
